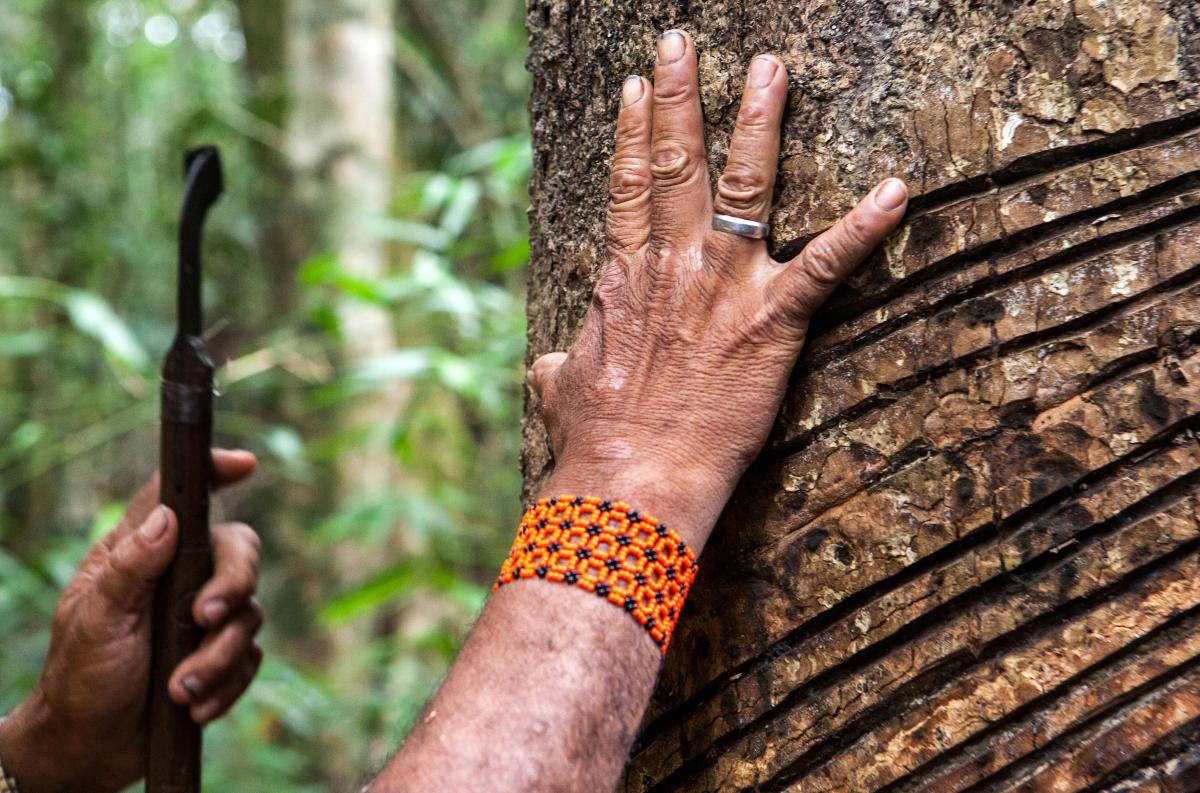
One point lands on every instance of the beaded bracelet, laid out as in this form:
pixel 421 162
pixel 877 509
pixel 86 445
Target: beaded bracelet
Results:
pixel 7 783
pixel 605 547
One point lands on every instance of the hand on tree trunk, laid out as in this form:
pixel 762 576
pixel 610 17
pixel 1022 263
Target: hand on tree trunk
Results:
pixel 676 377
pixel 666 396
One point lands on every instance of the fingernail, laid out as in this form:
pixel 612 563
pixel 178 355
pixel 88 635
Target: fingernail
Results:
pixel 190 686
pixel 631 91
pixel 762 72
pixel 214 611
pixel 155 526
pixel 890 194
pixel 671 46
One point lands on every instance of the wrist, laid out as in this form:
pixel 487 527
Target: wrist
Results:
pixel 689 499
pixel 32 748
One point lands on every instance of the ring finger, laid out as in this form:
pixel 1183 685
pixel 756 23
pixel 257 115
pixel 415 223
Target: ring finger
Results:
pixel 745 188
pixel 207 668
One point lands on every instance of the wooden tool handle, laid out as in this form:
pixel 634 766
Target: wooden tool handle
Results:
pixel 186 467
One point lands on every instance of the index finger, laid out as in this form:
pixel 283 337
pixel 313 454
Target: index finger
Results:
pixel 229 466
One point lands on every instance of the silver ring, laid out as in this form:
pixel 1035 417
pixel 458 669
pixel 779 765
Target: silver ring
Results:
pixel 743 228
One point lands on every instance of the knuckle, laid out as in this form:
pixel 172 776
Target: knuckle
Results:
pixel 673 162
pixel 742 188
pixel 250 538
pixel 672 91
pixel 856 229
pixel 754 119
pixel 630 181
pixel 255 616
pixel 822 263
pixel 606 295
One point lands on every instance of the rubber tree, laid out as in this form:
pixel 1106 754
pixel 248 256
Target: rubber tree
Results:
pixel 968 556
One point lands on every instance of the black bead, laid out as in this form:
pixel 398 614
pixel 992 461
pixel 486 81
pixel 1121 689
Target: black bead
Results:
pixel 659 597
pixel 671 613
pixel 612 564
pixel 516 572
pixel 541 571
pixel 623 539
pixel 593 529
pixel 649 623
pixel 582 553
pixel 554 547
pixel 630 604
pixel 552 501
pixel 641 579
pixel 651 554
pixel 634 516
pixel 578 501
pixel 605 506
pixel 566 524
pixel 602 589
pixel 541 524
pixel 670 573
pixel 682 546
pixel 529 548
pixel 571 577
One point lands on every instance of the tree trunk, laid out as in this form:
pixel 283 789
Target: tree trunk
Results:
pixel 969 557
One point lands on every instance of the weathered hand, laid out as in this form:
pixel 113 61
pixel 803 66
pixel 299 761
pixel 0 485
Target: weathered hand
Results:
pixel 84 727
pixel 673 383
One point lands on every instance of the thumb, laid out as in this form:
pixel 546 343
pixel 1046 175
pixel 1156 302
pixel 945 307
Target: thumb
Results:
pixel 136 561
pixel 543 372
pixel 827 260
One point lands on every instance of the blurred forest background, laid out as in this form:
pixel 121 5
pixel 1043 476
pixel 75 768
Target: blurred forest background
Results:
pixel 364 288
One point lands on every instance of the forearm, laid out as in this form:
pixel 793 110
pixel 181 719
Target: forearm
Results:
pixel 546 695
pixel 552 683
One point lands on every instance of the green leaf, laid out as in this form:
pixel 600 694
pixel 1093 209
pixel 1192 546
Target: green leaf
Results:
pixel 389 584
pixel 26 344
pixel 393 366
pixel 287 445
pixel 91 315
pixel 420 234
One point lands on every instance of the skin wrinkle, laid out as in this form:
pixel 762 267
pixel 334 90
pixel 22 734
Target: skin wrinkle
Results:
pixel 667 395
pixel 97 668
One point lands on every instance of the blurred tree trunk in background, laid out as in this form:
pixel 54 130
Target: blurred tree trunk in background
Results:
pixel 970 555
pixel 342 138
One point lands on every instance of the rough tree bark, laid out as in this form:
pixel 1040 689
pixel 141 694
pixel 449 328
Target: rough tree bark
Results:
pixel 969 557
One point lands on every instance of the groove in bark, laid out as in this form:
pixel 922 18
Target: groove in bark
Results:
pixel 968 558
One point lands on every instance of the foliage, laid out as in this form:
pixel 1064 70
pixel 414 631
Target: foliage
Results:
pixel 369 588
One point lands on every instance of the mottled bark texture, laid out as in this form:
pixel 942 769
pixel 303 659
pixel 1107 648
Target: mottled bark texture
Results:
pixel 970 556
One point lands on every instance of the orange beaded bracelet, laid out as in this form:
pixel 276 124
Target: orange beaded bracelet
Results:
pixel 605 547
